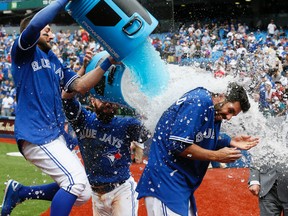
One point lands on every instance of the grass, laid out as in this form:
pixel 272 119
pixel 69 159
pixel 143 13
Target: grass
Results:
pixel 19 169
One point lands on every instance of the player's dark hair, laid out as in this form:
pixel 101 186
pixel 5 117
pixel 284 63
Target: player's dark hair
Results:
pixel 236 92
pixel 24 22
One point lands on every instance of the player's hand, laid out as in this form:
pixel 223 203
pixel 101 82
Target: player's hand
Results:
pixel 227 155
pixel 244 142
pixel 88 57
pixel 254 189
pixel 112 60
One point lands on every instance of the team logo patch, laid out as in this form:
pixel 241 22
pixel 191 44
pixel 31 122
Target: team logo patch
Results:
pixel 113 156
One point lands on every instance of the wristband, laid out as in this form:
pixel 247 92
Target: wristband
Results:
pixel 105 65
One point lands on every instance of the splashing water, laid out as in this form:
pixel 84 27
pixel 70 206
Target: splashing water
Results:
pixel 272 132
pixel 148 70
pixel 182 79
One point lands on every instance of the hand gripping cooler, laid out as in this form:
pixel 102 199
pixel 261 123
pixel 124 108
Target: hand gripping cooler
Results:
pixel 120 26
pixel 109 87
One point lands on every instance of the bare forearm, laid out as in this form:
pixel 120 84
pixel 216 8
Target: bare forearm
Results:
pixel 224 155
pixel 195 152
pixel 87 81
pixel 81 71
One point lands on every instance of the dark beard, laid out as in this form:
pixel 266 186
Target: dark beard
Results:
pixel 217 108
pixel 45 47
pixel 105 118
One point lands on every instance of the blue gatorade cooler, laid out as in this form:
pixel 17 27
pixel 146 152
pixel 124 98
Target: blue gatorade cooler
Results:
pixel 109 88
pixel 119 26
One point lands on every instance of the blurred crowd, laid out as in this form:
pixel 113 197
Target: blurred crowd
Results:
pixel 257 58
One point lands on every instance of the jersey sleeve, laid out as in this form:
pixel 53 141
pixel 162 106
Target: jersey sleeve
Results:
pixel 69 77
pixel 191 116
pixel 72 108
pixel 30 35
pixel 77 115
pixel 189 119
pixel 223 141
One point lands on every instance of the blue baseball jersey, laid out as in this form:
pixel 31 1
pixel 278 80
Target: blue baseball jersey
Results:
pixel 105 147
pixel 38 77
pixel 168 176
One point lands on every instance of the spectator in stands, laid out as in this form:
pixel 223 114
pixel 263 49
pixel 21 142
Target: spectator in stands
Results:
pixel 278 107
pixel 269 91
pixel 285 61
pixel 84 36
pixel 271 28
pixel 1 75
pixel 251 37
pixel 205 38
pixel 14 106
pixel 7 103
pixel 178 52
pixel 241 49
pixel 5 87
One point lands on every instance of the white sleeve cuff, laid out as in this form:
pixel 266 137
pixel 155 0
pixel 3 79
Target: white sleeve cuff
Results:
pixel 255 182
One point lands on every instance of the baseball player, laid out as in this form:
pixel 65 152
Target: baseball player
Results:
pixel 39 125
pixel 104 143
pixel 186 139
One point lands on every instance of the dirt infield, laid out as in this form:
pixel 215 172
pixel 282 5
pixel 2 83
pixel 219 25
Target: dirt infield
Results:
pixel 8 140
pixel 223 192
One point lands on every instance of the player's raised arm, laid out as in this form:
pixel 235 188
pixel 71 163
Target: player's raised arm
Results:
pixel 89 80
pixel 31 27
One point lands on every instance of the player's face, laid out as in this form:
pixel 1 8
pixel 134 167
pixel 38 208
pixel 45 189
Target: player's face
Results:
pixel 107 108
pixel 105 111
pixel 226 110
pixel 46 36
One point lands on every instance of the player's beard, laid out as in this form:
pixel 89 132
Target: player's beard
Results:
pixel 44 45
pixel 218 115
pixel 105 113
pixel 105 118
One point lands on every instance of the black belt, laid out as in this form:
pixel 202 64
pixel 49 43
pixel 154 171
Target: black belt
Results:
pixel 106 188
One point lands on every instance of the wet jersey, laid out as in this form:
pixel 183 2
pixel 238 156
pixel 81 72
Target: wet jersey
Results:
pixel 38 77
pixel 167 176
pixel 105 147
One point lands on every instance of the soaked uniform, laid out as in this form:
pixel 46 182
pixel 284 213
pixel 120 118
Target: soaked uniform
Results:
pixel 173 179
pixel 39 78
pixel 105 149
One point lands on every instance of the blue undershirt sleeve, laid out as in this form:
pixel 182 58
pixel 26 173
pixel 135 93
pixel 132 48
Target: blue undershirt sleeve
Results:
pixel 72 108
pixel 223 141
pixel 45 16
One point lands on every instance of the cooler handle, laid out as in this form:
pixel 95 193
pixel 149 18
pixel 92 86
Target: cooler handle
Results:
pixel 111 74
pixel 130 23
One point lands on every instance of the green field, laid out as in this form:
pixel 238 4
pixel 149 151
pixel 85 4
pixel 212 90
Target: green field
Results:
pixel 19 169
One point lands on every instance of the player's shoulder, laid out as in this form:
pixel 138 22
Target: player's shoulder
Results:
pixel 198 94
pixel 126 120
